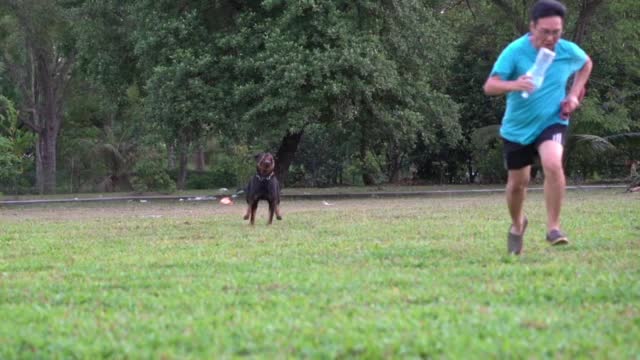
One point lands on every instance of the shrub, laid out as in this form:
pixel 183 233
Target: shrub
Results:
pixel 220 177
pixel 490 165
pixel 151 175
pixel 15 145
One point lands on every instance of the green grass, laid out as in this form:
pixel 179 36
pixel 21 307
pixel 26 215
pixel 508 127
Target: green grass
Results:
pixel 405 278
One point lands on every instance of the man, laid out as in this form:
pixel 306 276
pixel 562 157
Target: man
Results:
pixel 536 125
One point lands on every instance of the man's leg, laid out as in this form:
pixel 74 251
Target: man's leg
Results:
pixel 517 159
pixel 517 183
pixel 554 181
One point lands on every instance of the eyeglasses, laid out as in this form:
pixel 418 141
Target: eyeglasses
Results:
pixel 547 32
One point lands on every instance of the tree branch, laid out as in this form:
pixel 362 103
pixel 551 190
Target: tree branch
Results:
pixel 62 76
pixel 587 11
pixel 511 12
pixel 30 124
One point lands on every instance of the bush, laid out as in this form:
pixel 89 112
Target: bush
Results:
pixel 221 177
pixel 9 162
pixel 490 165
pixel 585 164
pixel 15 145
pixel 151 175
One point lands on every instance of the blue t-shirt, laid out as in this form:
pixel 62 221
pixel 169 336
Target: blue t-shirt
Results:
pixel 525 119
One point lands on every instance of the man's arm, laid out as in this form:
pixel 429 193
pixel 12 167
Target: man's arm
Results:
pixel 579 82
pixel 496 86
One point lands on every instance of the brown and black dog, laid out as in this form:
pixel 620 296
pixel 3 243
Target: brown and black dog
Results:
pixel 263 186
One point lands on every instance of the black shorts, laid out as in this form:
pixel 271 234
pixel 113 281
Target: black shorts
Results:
pixel 517 156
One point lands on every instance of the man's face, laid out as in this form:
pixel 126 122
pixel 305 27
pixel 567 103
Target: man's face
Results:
pixel 546 31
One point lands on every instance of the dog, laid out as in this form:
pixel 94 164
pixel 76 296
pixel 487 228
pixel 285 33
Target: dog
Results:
pixel 263 186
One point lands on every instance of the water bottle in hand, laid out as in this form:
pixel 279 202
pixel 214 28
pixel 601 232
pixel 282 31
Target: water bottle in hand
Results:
pixel 543 61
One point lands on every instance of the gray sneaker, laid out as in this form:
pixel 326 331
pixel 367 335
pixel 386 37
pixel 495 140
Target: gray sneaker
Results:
pixel 557 237
pixel 515 242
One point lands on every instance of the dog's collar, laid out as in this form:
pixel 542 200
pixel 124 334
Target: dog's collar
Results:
pixel 263 178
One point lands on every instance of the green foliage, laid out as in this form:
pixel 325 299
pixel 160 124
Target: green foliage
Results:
pixel 174 50
pixel 587 164
pixel 322 157
pixel 370 68
pixel 200 180
pixel 9 162
pixel 612 105
pixel 609 156
pixel 15 146
pixel 488 158
pixel 490 165
pixel 481 40
pixel 150 174
pixel 179 98
pixel 106 55
pixel 370 165
pixel 380 86
pixel 104 140
pixel 37 45
pixel 223 174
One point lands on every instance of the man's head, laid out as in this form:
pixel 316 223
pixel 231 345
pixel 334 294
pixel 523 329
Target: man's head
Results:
pixel 547 22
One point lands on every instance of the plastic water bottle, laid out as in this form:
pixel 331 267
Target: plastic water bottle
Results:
pixel 538 70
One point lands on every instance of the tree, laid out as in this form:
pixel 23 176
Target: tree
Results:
pixel 367 66
pixel 172 44
pixel 481 39
pixel 40 57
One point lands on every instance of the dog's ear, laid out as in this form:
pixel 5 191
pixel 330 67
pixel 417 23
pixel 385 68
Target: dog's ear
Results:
pixel 257 156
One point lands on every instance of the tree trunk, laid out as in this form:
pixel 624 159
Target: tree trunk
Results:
pixel 47 159
pixel 470 172
pixel 285 155
pixel 171 156
pixel 367 178
pixel 48 88
pixel 122 183
pixel 587 10
pixel 520 20
pixel 183 159
pixel 394 175
pixel 394 157
pixel 200 158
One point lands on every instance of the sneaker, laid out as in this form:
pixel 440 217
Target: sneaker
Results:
pixel 515 242
pixel 557 237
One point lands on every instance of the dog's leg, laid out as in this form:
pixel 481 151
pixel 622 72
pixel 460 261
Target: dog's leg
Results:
pixel 247 213
pixel 254 207
pixel 272 209
pixel 278 215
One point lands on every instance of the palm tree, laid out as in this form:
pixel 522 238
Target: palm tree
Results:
pixel 628 143
pixel 119 156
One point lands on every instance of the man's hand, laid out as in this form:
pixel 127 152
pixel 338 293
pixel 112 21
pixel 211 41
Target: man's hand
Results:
pixel 578 90
pixel 523 83
pixel 496 86
pixel 570 104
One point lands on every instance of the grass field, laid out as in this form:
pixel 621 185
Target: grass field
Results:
pixel 405 278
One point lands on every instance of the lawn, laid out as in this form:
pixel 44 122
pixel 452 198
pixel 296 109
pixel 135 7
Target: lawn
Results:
pixel 394 278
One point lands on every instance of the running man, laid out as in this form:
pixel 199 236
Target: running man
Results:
pixel 537 125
